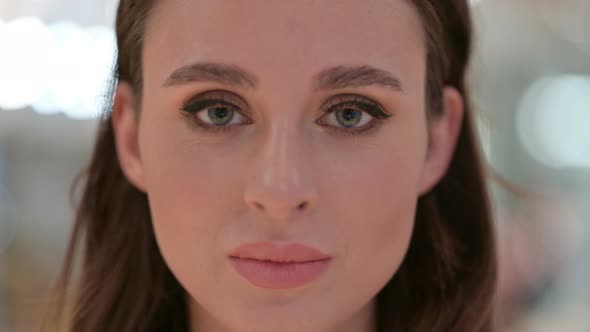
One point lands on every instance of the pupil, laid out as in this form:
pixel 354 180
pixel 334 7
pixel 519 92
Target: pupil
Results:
pixel 221 112
pixel 348 114
pixel 220 115
pixel 350 117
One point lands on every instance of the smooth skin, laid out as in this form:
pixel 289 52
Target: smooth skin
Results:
pixel 278 175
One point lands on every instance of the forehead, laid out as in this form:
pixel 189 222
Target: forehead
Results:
pixel 290 38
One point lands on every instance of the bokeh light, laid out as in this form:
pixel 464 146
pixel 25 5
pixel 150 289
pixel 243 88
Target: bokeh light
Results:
pixel 69 76
pixel 24 73
pixel 554 121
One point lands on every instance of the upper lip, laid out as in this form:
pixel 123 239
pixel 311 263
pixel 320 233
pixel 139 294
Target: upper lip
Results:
pixel 287 253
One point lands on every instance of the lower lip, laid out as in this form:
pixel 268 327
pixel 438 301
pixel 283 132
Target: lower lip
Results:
pixel 267 274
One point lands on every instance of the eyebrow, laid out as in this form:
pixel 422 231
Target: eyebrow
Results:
pixel 332 78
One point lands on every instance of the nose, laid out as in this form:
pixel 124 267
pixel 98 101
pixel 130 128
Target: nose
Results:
pixel 280 185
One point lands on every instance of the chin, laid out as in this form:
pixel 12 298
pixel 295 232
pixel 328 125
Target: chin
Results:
pixel 271 323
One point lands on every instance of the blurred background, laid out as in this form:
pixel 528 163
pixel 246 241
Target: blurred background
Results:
pixel 531 83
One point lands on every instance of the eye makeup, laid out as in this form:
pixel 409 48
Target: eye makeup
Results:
pixel 227 105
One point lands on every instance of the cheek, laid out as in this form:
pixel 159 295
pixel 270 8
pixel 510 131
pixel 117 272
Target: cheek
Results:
pixel 379 216
pixel 378 204
pixel 186 198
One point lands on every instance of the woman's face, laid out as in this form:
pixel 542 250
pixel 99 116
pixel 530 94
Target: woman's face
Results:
pixel 285 171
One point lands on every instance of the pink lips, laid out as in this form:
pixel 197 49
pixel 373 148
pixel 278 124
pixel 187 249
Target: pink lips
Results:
pixel 269 265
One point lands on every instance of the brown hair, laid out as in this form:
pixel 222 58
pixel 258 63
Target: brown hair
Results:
pixel 445 283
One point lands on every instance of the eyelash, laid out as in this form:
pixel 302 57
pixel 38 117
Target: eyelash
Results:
pixel 365 105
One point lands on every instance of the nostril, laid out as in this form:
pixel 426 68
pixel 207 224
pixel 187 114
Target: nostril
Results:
pixel 302 206
pixel 259 206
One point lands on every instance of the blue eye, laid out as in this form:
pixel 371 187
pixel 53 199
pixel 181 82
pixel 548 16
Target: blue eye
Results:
pixel 349 117
pixel 350 111
pixel 217 115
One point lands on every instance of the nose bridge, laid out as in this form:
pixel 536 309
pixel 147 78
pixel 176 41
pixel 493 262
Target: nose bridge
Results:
pixel 278 169
pixel 279 184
